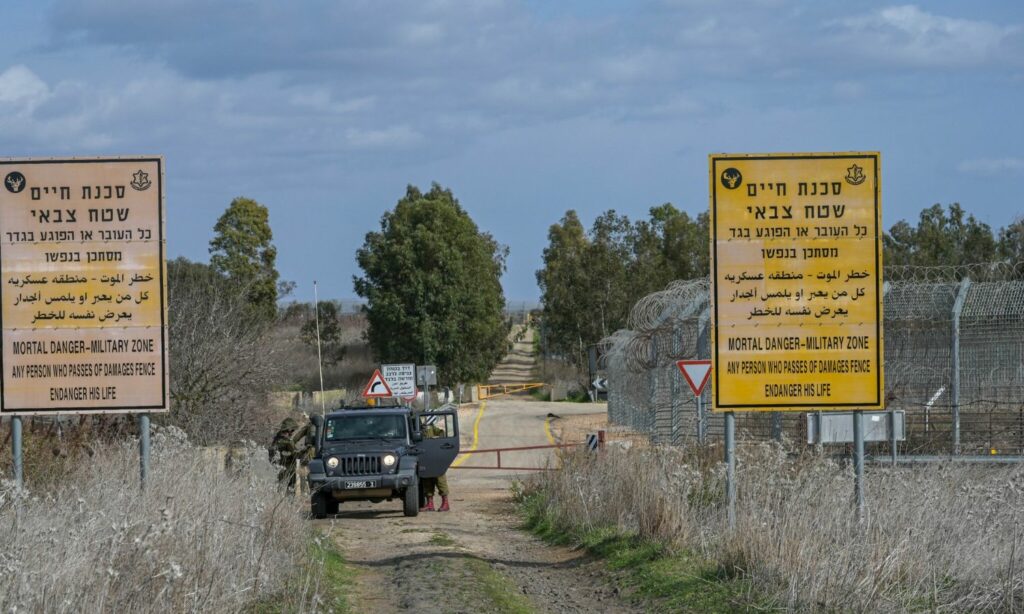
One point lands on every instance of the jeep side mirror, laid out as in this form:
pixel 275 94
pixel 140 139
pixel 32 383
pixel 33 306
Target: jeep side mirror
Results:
pixel 313 436
pixel 417 436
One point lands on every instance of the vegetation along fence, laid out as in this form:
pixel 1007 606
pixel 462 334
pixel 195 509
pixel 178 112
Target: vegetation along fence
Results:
pixel 954 345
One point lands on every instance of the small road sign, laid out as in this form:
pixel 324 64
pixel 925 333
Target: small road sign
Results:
pixel 592 442
pixel 696 373
pixel 377 387
pixel 401 379
pixel 601 384
pixel 426 375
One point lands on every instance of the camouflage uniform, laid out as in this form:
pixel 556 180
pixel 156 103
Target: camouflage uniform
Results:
pixel 289 446
pixel 440 483
pixel 429 485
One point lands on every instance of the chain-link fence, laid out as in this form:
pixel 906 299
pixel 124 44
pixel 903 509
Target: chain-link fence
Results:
pixel 954 347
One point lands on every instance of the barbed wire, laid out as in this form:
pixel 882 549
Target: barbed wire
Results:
pixel 920 315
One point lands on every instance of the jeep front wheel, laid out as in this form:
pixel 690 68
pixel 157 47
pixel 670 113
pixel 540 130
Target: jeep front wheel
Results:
pixel 411 499
pixel 318 505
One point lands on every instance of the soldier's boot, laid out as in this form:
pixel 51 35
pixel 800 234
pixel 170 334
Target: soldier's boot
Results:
pixel 429 507
pixel 444 504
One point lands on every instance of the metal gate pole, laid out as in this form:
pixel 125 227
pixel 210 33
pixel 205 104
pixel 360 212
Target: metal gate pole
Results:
pixel 144 448
pixel 19 477
pixel 858 461
pixel 730 467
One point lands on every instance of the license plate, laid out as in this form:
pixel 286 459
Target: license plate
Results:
pixel 363 484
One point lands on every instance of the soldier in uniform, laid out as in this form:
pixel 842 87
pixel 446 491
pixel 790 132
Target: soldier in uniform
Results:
pixel 440 484
pixel 289 446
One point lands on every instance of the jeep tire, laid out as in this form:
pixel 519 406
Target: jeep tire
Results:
pixel 318 505
pixel 411 499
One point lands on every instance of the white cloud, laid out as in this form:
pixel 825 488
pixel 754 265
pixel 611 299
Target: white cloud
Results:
pixel 991 166
pixel 21 87
pixel 907 34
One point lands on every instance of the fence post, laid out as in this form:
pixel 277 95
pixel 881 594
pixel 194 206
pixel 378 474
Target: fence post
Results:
pixel 703 340
pixel 675 405
pixel 652 414
pixel 958 306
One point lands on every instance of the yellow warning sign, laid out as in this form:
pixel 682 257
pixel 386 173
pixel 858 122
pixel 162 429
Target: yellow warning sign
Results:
pixel 796 276
pixel 82 288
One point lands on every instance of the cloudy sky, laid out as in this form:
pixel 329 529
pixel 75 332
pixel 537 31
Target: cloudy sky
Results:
pixel 324 110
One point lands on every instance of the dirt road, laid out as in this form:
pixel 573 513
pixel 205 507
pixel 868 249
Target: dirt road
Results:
pixel 474 558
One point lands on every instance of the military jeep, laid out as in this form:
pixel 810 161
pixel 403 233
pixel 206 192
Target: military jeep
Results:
pixel 378 454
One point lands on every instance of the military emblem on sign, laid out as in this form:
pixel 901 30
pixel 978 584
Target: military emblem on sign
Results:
pixel 140 180
pixel 14 182
pixel 855 175
pixel 731 178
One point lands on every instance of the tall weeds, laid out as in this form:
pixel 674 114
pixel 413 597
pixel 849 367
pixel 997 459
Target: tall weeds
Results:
pixel 937 538
pixel 196 539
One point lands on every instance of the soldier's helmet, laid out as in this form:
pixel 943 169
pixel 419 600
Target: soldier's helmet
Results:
pixel 289 424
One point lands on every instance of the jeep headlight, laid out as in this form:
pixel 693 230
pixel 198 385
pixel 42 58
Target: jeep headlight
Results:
pixel 332 462
pixel 389 460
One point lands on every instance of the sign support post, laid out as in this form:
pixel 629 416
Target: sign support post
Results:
pixel 858 461
pixel 19 477
pixel 892 436
pixel 143 449
pixel 701 430
pixel 730 467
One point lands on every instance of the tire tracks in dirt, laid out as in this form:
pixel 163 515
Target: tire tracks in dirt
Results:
pixel 475 558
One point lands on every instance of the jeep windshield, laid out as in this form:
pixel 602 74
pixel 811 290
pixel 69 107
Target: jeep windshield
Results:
pixel 365 427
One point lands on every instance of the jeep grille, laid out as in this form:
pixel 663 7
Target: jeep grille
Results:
pixel 358 465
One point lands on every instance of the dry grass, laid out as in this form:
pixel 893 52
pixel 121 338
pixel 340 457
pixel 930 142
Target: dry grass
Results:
pixel 195 540
pixel 938 538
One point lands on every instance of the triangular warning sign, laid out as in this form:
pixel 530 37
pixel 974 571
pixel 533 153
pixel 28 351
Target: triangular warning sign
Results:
pixel 377 387
pixel 696 373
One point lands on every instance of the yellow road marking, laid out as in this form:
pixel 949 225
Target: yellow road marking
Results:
pixel 476 435
pixel 547 431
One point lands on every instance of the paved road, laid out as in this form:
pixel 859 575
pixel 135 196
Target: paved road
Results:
pixel 509 422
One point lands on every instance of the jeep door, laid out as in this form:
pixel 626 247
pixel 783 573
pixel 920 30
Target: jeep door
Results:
pixel 440 444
